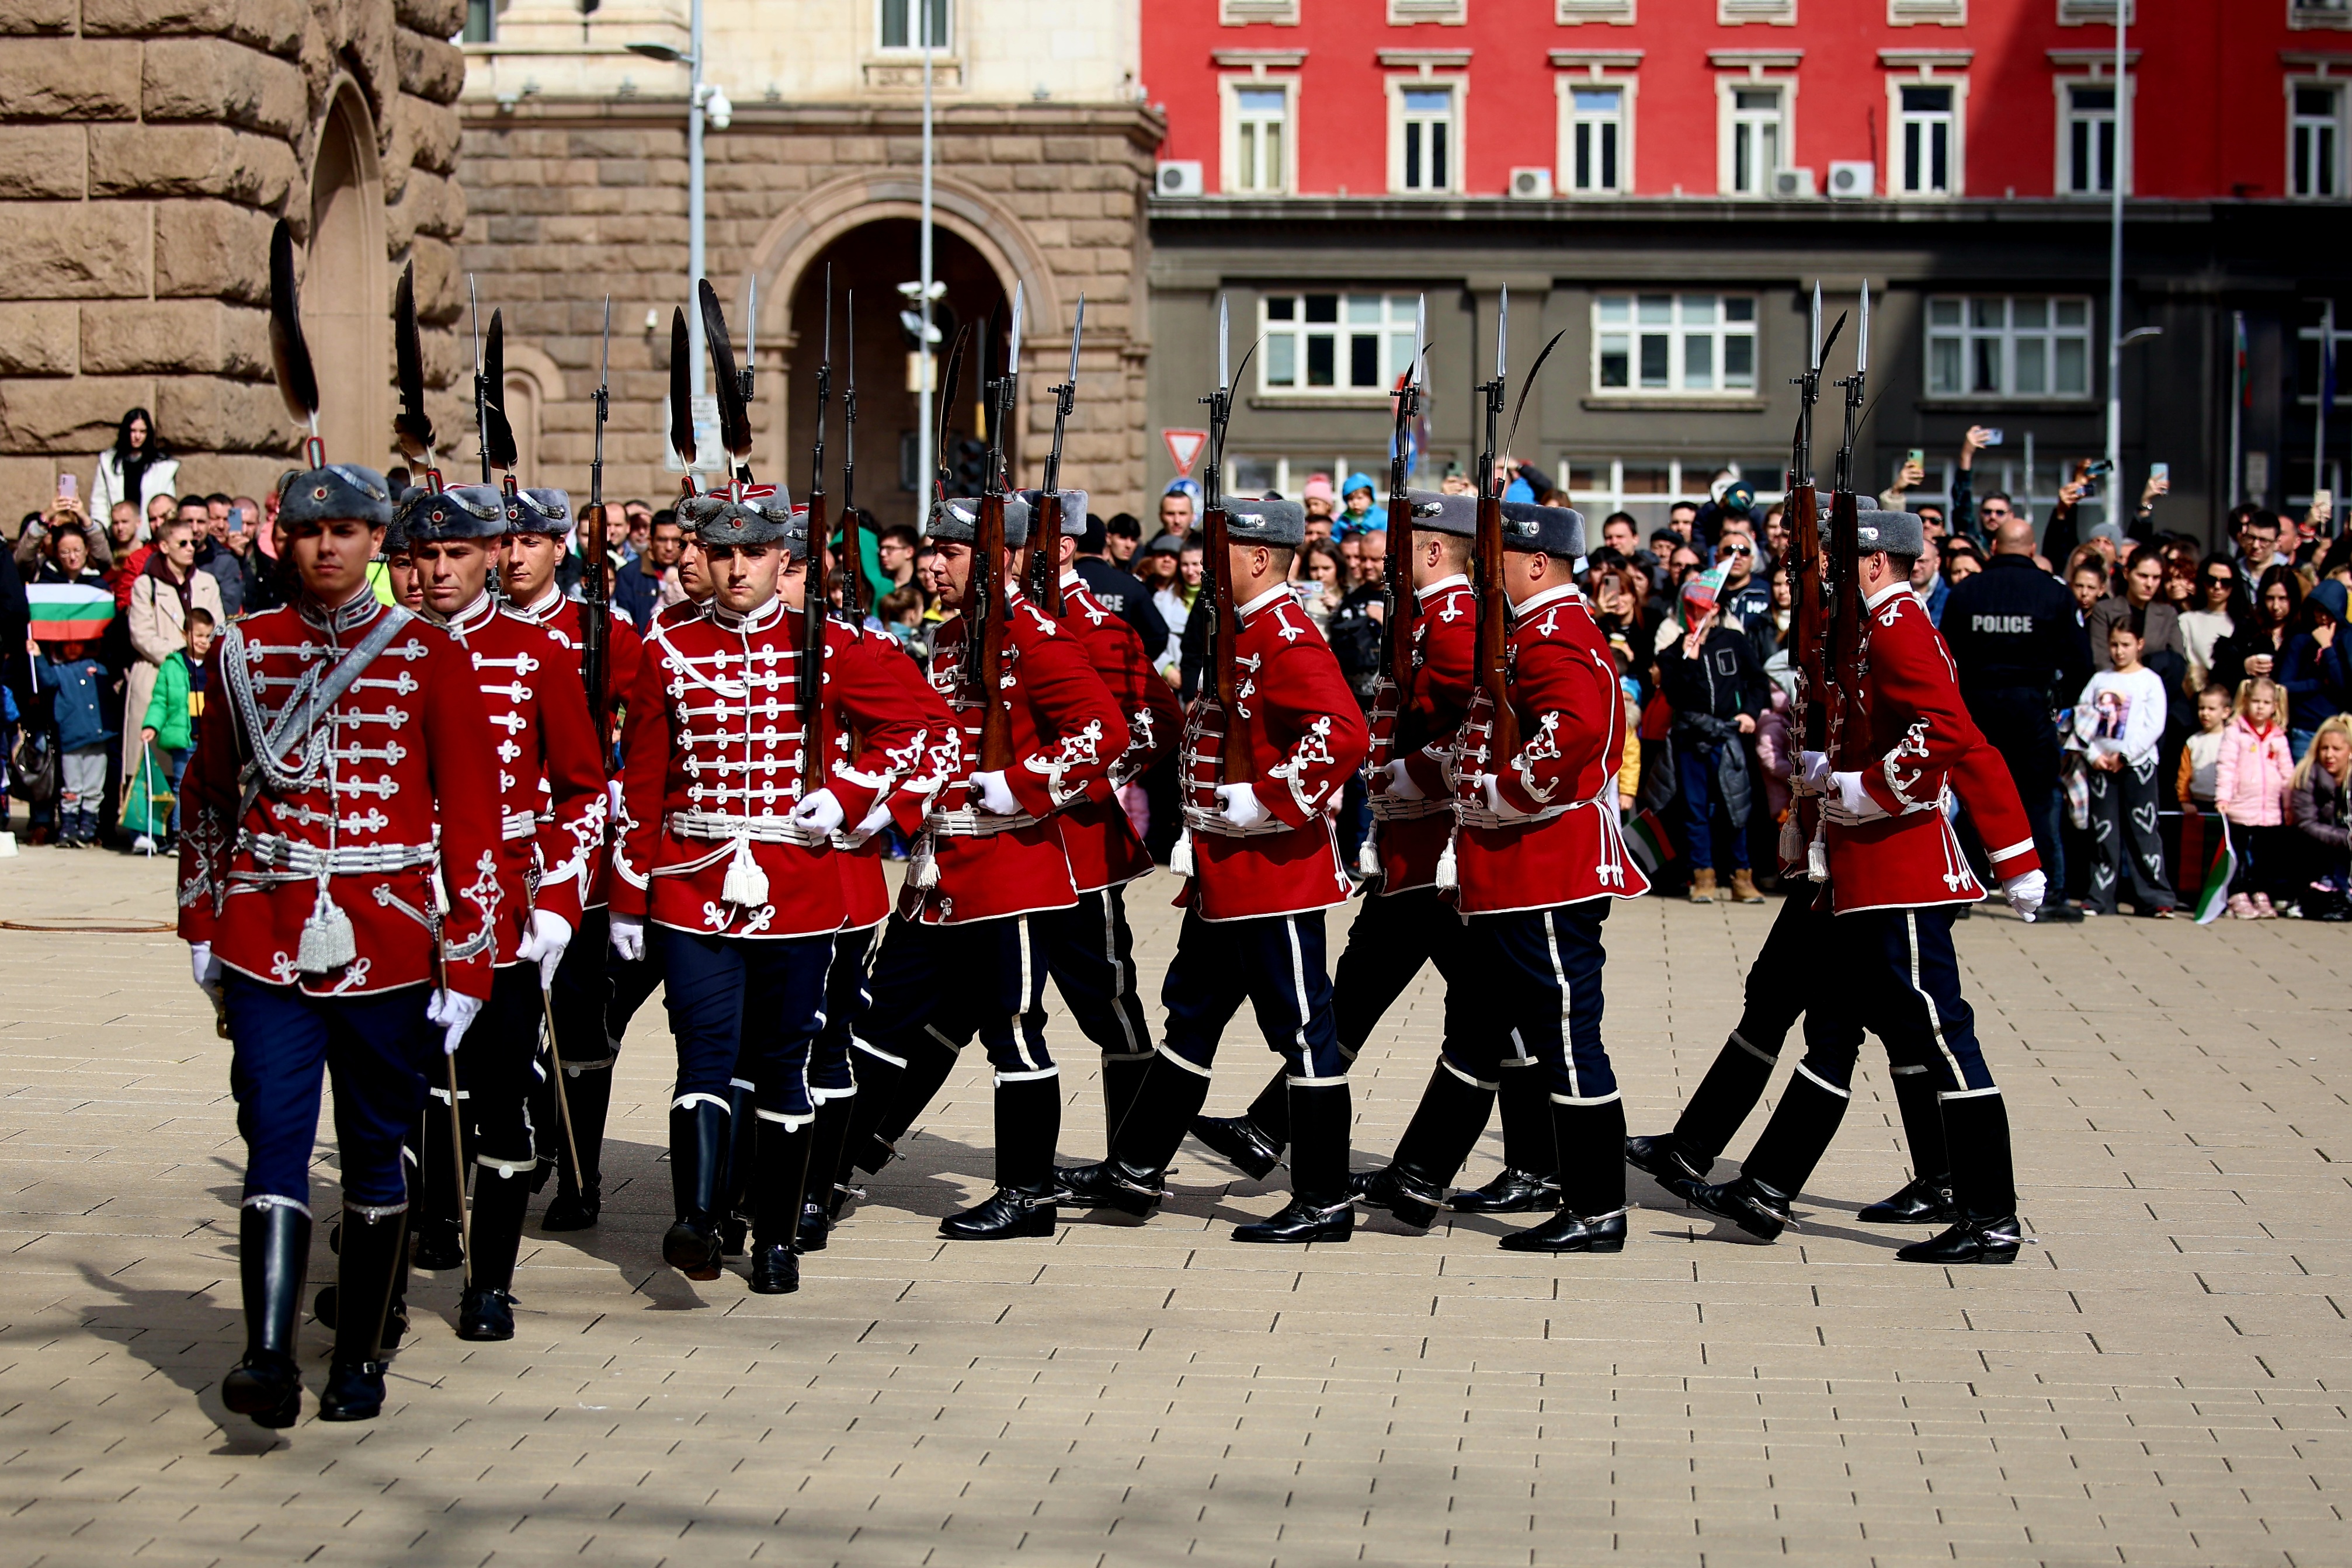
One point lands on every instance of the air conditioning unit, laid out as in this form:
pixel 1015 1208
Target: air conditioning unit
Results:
pixel 1849 181
pixel 1178 177
pixel 1531 185
pixel 1792 184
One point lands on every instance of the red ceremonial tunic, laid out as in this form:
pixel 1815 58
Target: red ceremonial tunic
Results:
pixel 1293 709
pixel 865 891
pixel 1922 745
pixel 551 790
pixel 1066 732
pixel 1411 835
pixel 712 768
pixel 1102 845
pixel 1567 846
pixel 349 815
pixel 623 650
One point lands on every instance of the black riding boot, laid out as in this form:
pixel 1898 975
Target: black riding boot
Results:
pixel 697 1161
pixel 1444 1128
pixel 1927 1197
pixel 1984 1184
pixel 1028 1120
pixel 1591 1143
pixel 1253 1140
pixel 438 1230
pixel 580 1194
pixel 1792 1144
pixel 827 1138
pixel 369 1260
pixel 273 1254
pixel 1319 1208
pixel 1735 1081
pixel 735 1186
pixel 1131 1179
pixel 486 1311
pixel 889 1101
pixel 778 1185
pixel 1528 1182
pixel 1122 1076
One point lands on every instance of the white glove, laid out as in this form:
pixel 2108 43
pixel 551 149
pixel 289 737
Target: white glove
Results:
pixel 628 935
pixel 1812 775
pixel 876 820
pixel 2025 892
pixel 1398 785
pixel 1238 804
pixel 543 942
pixel 819 811
pixel 1490 787
pixel 205 967
pixel 455 1011
pixel 994 796
pixel 1849 803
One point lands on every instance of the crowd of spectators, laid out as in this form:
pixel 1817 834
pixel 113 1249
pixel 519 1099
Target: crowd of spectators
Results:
pixel 2174 717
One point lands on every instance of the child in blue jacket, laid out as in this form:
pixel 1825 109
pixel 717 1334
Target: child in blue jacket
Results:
pixel 75 682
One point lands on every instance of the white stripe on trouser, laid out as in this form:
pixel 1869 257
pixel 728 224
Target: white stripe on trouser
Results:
pixel 1111 905
pixel 1004 1078
pixel 1168 1055
pixel 1296 1081
pixel 1298 984
pixel 1741 1042
pixel 821 1096
pixel 1447 1063
pixel 1944 1094
pixel 870 1049
pixel 1935 1019
pixel 740 1084
pixel 1566 1042
pixel 1592 1099
pixel 1824 1083
pixel 688 1102
pixel 1021 1005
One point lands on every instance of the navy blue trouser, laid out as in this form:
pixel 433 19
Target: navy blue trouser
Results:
pixel 757 998
pixel 378 1047
pixel 850 997
pixel 1907 989
pixel 1393 937
pixel 950 983
pixel 596 994
pixel 1545 965
pixel 498 1072
pixel 1090 954
pixel 1277 965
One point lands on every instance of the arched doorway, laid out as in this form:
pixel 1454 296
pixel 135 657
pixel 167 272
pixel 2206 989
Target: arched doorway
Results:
pixel 872 260
pixel 346 294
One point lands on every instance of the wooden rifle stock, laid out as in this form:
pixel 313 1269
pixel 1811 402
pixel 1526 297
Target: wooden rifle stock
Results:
pixel 1848 639
pixel 985 603
pixel 1040 564
pixel 1809 618
pixel 1495 636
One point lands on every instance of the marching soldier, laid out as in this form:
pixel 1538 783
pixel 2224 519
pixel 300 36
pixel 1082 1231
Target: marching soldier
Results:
pixel 1264 867
pixel 584 1052
pixel 727 857
pixel 1897 877
pixel 1090 950
pixel 1539 857
pixel 964 956
pixel 549 783
pixel 400 568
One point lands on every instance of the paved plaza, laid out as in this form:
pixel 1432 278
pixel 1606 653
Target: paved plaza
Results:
pixel 2159 1381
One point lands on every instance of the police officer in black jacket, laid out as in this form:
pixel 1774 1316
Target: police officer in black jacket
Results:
pixel 2018 642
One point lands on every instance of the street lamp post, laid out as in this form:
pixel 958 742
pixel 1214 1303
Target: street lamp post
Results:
pixel 924 460
pixel 2115 268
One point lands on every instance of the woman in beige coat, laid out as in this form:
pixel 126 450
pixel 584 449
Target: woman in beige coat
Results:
pixel 167 587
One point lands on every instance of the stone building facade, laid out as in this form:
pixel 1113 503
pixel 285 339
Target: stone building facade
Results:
pixel 575 169
pixel 146 148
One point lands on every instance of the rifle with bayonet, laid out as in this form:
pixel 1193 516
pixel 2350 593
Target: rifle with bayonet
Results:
pixel 853 545
pixel 1492 668
pixel 595 588
pixel 1396 584
pixel 1043 557
pixel 813 596
pixel 984 650
pixel 1809 624
pixel 1221 677
pixel 1848 728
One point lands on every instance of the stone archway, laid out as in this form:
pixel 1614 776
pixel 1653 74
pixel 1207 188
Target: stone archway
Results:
pixel 346 287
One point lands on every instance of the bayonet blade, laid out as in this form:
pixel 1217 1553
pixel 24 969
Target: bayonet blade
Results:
pixel 1077 331
pixel 1013 349
pixel 1223 345
pixel 604 367
pixel 1817 327
pixel 1862 343
pixel 1502 335
pixel 828 313
pixel 1420 343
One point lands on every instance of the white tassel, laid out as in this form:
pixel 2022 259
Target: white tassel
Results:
pixel 1817 857
pixel 1793 838
pixel 1447 876
pixel 1179 859
pixel 326 941
pixel 745 886
pixel 1367 857
pixel 926 872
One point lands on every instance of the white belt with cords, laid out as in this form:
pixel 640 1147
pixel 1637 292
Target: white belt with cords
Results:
pixel 520 825
pixel 760 829
pixel 1203 821
pixel 293 860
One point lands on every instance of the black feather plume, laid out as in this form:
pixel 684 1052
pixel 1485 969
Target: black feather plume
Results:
pixel 681 389
pixel 948 384
pixel 734 413
pixel 410 427
pixel 1528 385
pixel 297 382
pixel 502 436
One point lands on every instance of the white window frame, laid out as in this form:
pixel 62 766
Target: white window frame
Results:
pixel 942 9
pixel 1229 88
pixel 1677 333
pixel 1394 333
pixel 2009 334
pixel 1453 83
pixel 1727 85
pixel 2295 122
pixel 2061 182
pixel 1957 162
pixel 1599 487
pixel 1564 168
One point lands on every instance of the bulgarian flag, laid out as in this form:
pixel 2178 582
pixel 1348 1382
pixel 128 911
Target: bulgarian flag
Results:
pixel 70 611
pixel 2215 898
pixel 1646 836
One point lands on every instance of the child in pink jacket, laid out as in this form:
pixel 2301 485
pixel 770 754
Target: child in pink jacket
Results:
pixel 2251 783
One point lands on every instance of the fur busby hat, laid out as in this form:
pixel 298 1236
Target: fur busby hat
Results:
pixel 1434 513
pixel 1073 509
pixel 1277 522
pixel 954 520
pixel 719 522
pixel 1557 531
pixel 1896 533
pixel 538 512
pixel 793 522
pixel 337 490
pixel 459 512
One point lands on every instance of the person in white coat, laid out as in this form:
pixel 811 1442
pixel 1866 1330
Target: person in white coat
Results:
pixel 138 467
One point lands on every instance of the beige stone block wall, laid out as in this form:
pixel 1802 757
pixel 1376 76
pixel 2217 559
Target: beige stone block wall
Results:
pixel 146 148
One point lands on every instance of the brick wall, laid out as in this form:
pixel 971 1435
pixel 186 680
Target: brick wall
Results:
pixel 146 147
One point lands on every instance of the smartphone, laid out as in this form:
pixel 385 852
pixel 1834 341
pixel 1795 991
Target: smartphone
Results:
pixel 1992 438
pixel 237 519
pixel 2321 500
pixel 1916 455
pixel 2160 471
pixel 69 486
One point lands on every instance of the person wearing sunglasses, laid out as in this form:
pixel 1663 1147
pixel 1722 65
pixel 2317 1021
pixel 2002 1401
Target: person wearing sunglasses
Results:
pixel 2217 608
